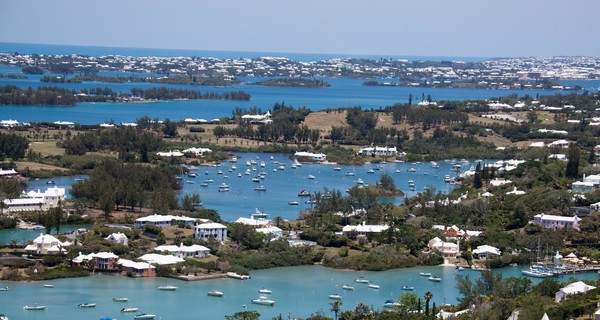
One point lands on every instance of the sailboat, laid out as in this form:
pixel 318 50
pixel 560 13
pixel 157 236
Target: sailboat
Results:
pixel 536 270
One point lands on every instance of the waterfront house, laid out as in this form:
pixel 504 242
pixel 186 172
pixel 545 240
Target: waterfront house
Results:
pixel 139 269
pixel 197 151
pixel 163 220
pixel 573 288
pixel 255 222
pixel 160 259
pixel 97 261
pixel 36 200
pixel 378 151
pixel 447 249
pixel 549 221
pixel 271 232
pixel 47 244
pixel 363 229
pixel 318 157
pixel 486 251
pixel 9 123
pixel 181 251
pixel 174 153
pixel 117 237
pixel 10 173
pixel 213 230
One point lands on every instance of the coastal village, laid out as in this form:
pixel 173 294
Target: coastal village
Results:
pixel 525 189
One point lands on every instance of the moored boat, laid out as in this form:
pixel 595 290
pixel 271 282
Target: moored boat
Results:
pixel 361 280
pixel 238 276
pixel 120 299
pixel 265 291
pixel 304 193
pixel 391 304
pixel 48 286
pixel 374 286
pixel 434 278
pixel 215 293
pixel 347 287
pixel 86 305
pixel 425 274
pixel 263 300
pixel 144 316
pixel 335 296
pixel 167 288
pixel 408 288
pixel 129 310
pixel 4 289
pixel 3 317
pixel 34 308
pixel 293 203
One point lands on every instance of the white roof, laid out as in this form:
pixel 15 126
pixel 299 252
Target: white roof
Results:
pixel 175 153
pixel 161 259
pixel 50 192
pixel 557 218
pixel 211 225
pixel 365 228
pixel 577 287
pixel 135 265
pixel 252 222
pixel 181 248
pixel 117 236
pixel 7 172
pixel 268 230
pixel 516 192
pixel 101 255
pixel 23 201
pixel 487 249
pixel 163 218
pixel 499 182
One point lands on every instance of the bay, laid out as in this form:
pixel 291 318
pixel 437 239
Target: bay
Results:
pixel 293 298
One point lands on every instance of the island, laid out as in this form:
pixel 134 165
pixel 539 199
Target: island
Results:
pixel 294 82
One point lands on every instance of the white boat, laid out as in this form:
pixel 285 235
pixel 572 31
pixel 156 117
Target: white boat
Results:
pixel 397 171
pixel 253 162
pixel 129 310
pixel 391 304
pixel 3 317
pixel 190 182
pixel 347 287
pixel 50 182
pixel 86 305
pixel 360 181
pixel 434 278
pixel 4 289
pixel 537 271
pixel 413 169
pixel 371 171
pixel 219 172
pixel 144 316
pixel 264 300
pixel 223 189
pixel 447 179
pixel 223 185
pixel 374 286
pixel 293 203
pixel 167 288
pixel 34 308
pixel 408 288
pixel 335 296
pixel 215 293
pixel 311 177
pixel 262 164
pixel 460 268
pixel 265 291
pixel 120 299
pixel 237 276
pixel 337 168
pixel 192 175
pixel 411 183
pixel 304 193
pixel 239 175
pixel 260 188
pixel 48 286
pixel 256 179
pixel 209 180
pixel 349 173
pixel 425 274
pixel 361 280
pixel 434 164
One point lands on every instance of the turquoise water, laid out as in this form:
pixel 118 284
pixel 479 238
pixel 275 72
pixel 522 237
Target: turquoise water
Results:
pixel 283 186
pixel 293 297
pixel 342 93
pixel 24 236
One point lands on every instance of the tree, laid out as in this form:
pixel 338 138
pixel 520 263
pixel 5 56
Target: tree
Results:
pixel 244 315
pixel 335 308
pixel 477 182
pixel 169 128
pixel 428 295
pixel 573 156
pixel 532 116
pixel 387 182
pixel 410 301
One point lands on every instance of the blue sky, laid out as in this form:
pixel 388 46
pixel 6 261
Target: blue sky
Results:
pixel 475 28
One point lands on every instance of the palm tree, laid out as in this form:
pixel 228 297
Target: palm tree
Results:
pixel 428 296
pixel 335 308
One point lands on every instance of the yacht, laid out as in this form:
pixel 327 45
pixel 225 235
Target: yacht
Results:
pixel 371 171
pixel 447 178
pixel 86 305
pixel 265 291
pixel 223 186
pixel 425 274
pixel 349 173
pixel 120 299
pixel 311 177
pixel 304 193
pixel 293 203
pixel 262 164
pixel 360 181
pixel 337 168
pixel 264 300
pixel 335 296
pixel 34 308
pixel 215 293
pixel 167 288
pixel 130 310
pixel 144 316
pixel 347 287
pixel 361 280
pixel 409 288
pixel 434 278
pixel 192 175
pixel 374 286
pixel 411 183
pixel 260 188
pixel 412 169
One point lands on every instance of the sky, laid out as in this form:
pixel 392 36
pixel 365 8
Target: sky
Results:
pixel 460 28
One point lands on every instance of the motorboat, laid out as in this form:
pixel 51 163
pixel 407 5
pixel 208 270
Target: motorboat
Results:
pixel 3 317
pixel 434 278
pixel 239 175
pixel 34 308
pixel 281 167
pixel 129 310
pixel 190 182
pixel 312 201
pixel 371 171
pixel 360 181
pixel 144 316
pixel 50 182
pixel 304 193
pixel 408 288
pixel 238 276
pixel 223 185
pixel 86 305
pixel 447 179
pixel 264 291
pixel 347 287
pixel 412 169
pixel 167 288
pixel 204 184
pixel 48 286
pixel 374 286
pixel 209 180
pixel 361 280
pixel 391 304
pixel 293 203
pixel 262 164
pixel 256 179
pixel 397 171
pixel 349 173
pixel 223 189
pixel 411 183
pixel 260 188
pixel 192 175
pixel 311 177
pixel 425 274
pixel 537 271
pixel 219 172
pixel 337 168
pixel 335 296
pixel 215 293
pixel 120 299
pixel 263 300
pixel 460 268
pixel 4 289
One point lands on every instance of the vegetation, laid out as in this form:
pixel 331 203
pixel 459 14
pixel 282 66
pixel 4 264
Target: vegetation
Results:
pixel 184 80
pixel 12 146
pixel 294 82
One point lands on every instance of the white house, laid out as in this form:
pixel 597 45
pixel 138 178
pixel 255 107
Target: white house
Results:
pixel 549 221
pixel 197 151
pixel 258 118
pixel 118 237
pixel 36 200
pixel 160 259
pixel 271 232
pixel 214 230
pixel 8 173
pixel 447 249
pixel 364 229
pixel 378 151
pixel 9 123
pixel 573 288
pixel 486 251
pixel 163 220
pixel 319 157
pixel 560 144
pixel 259 222
pixel 174 153
pixel 193 251
pixel 582 187
pixel 47 244
pixel 595 206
